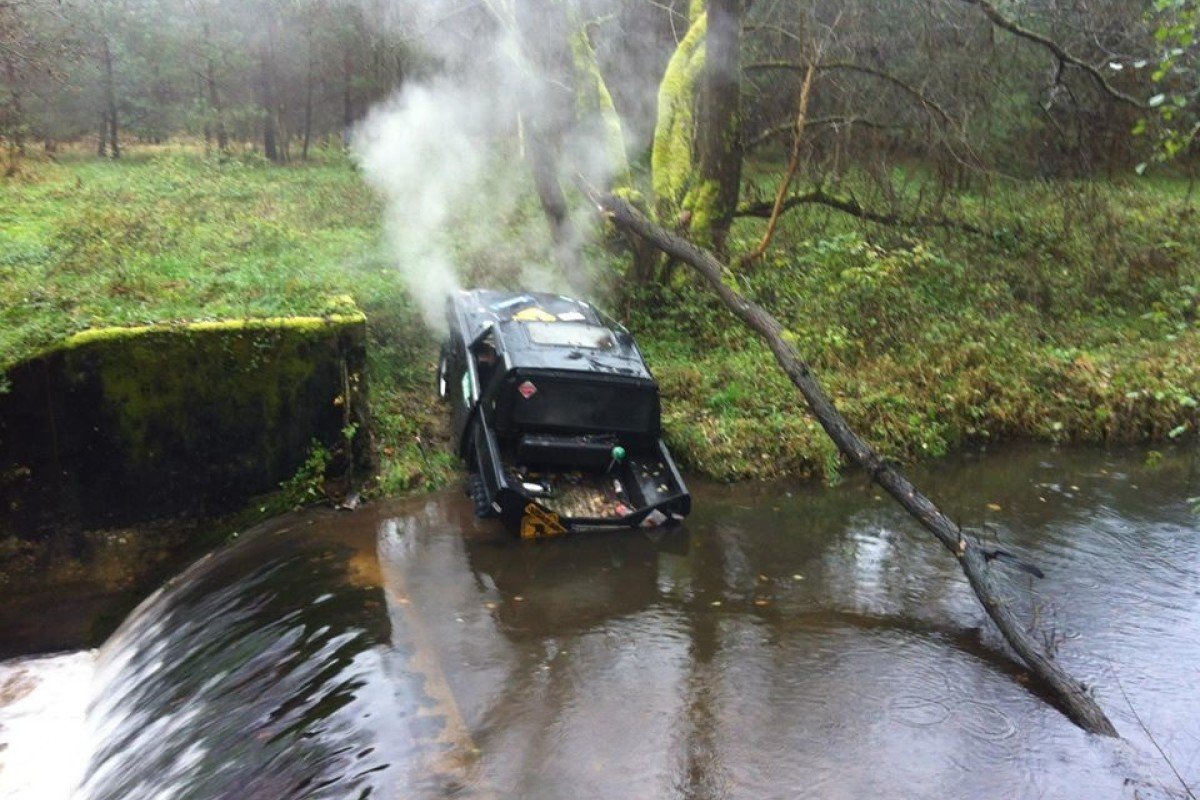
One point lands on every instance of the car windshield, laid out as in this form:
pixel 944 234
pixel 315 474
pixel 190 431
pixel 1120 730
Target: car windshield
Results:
pixel 570 334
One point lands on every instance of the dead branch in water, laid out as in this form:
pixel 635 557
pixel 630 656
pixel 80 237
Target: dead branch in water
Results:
pixel 1187 790
pixel 973 559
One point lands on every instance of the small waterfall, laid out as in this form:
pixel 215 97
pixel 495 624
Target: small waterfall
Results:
pixel 46 742
pixel 267 670
pixel 255 674
pixel 286 665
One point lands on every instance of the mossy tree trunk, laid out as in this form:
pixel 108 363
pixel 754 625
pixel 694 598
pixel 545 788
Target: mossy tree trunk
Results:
pixel 595 109
pixel 697 157
pixel 272 146
pixel 214 97
pixel 718 125
pixel 672 165
pixel 547 114
pixel 110 99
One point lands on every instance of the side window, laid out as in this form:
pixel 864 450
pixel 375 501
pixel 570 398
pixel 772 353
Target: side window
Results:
pixel 486 358
pixel 458 379
pixel 465 387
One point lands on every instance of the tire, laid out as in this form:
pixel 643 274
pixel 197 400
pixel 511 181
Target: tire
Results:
pixel 478 495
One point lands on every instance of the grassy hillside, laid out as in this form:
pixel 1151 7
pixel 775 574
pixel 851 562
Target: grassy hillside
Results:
pixel 1073 319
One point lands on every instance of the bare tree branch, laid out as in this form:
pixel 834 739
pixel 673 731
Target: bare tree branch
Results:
pixel 1000 21
pixel 834 122
pixel 920 96
pixel 851 206
pixel 1153 740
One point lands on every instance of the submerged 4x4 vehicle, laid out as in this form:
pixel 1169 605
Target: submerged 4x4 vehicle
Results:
pixel 556 416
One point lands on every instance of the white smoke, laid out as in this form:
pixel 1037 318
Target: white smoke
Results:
pixel 420 151
pixel 445 153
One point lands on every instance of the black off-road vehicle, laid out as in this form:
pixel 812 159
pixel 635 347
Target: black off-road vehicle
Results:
pixel 556 416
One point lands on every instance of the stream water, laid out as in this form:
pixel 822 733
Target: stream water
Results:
pixel 789 641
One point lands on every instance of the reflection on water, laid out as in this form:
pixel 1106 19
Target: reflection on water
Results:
pixel 791 641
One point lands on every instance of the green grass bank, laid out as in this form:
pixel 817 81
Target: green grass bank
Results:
pixel 168 235
pixel 1073 319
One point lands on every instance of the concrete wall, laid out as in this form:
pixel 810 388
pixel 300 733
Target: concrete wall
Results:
pixel 125 424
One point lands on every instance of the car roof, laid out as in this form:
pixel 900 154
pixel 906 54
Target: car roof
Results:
pixel 520 324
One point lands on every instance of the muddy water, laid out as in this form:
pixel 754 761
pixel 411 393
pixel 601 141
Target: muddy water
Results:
pixel 789 642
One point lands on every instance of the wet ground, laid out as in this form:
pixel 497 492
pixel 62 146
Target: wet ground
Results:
pixel 790 641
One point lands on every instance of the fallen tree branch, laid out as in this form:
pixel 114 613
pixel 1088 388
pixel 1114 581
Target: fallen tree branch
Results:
pixel 973 559
pixel 848 205
pixel 1001 21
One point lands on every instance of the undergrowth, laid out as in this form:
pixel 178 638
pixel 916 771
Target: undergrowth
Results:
pixel 1061 327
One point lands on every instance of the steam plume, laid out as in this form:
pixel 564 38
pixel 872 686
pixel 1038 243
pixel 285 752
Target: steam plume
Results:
pixel 446 153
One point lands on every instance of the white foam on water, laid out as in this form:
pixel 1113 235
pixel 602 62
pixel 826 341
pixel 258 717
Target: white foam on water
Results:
pixel 45 742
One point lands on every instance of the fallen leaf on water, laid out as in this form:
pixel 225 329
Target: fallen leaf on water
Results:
pixel 489 605
pixel 518 598
pixel 993 506
pixel 761 602
pixel 715 603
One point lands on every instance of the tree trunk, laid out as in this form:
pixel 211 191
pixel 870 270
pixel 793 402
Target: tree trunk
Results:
pixel 214 96
pixel 267 94
pixel 1073 695
pixel 214 101
pixel 13 120
pixel 547 116
pixel 542 157
pixel 308 99
pixel 718 120
pixel 267 104
pixel 110 100
pixel 347 97
pixel 16 112
pixel 645 262
pixel 102 143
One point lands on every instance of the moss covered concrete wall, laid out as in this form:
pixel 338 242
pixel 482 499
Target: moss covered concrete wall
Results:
pixel 122 424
